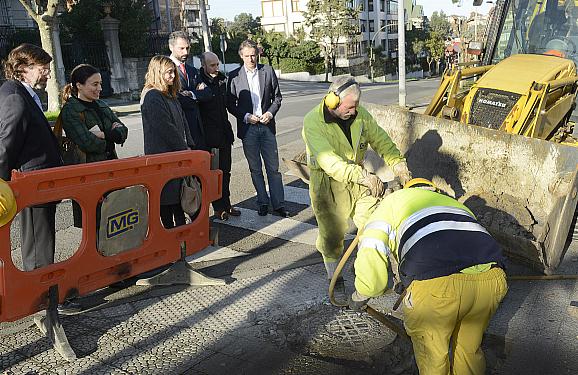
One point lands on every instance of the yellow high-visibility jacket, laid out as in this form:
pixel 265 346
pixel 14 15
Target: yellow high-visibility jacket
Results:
pixel 329 150
pixel 429 234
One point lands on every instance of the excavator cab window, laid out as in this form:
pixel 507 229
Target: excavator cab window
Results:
pixel 540 27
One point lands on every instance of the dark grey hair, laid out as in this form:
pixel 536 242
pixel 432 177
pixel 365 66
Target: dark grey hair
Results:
pixel 178 35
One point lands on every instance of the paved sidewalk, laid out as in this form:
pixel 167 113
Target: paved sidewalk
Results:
pixel 245 327
pixel 123 107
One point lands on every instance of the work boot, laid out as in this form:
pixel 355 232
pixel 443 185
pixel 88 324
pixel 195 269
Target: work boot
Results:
pixel 339 292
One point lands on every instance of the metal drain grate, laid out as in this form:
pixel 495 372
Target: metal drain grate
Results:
pixel 333 333
pixel 352 327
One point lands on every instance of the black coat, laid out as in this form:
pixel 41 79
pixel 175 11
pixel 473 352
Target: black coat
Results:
pixel 239 100
pixel 26 139
pixel 190 105
pixel 214 116
pixel 164 130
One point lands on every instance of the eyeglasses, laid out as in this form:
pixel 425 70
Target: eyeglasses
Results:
pixel 41 69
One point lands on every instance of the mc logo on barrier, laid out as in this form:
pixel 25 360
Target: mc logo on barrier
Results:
pixel 121 222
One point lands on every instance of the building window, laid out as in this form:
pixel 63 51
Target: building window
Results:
pixel 371 26
pixel 341 51
pixel 392 7
pixel 362 5
pixel 362 25
pixel 272 8
pixel 353 49
pixel 297 26
pixel 383 41
pixel 381 24
pixel 370 5
pixel 392 26
pixel 295 5
pixel 382 5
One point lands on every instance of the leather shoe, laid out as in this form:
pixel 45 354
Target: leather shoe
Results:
pixel 283 212
pixel 222 215
pixel 233 211
pixel 69 307
pixel 263 210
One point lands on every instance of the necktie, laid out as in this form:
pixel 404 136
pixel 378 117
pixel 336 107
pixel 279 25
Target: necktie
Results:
pixel 37 100
pixel 184 71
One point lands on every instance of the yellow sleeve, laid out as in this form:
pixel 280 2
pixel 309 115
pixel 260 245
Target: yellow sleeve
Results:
pixel 371 275
pixel 322 153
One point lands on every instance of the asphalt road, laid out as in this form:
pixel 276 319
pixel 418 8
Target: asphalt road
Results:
pixel 298 99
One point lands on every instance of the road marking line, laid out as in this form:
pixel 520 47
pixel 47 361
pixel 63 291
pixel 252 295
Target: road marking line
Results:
pixel 214 253
pixel 275 226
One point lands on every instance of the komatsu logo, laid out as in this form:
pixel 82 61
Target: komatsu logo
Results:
pixel 493 103
pixel 121 222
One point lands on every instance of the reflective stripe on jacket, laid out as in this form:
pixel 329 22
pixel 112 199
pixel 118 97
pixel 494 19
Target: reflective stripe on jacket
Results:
pixel 430 234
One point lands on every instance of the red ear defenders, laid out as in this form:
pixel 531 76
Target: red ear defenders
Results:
pixel 332 99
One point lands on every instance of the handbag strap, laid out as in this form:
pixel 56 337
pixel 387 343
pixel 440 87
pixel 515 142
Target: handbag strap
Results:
pixel 57 130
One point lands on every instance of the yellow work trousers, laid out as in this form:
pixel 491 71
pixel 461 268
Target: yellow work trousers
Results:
pixel 333 204
pixel 446 318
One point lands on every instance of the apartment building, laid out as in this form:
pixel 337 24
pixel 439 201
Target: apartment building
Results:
pixel 282 16
pixel 377 25
pixel 171 15
pixel 13 15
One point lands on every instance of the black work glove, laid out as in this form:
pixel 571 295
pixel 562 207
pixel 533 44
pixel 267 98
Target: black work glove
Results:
pixel 113 135
pixel 391 186
pixel 357 302
pixel 110 151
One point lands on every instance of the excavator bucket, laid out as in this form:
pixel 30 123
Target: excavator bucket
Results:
pixel 523 190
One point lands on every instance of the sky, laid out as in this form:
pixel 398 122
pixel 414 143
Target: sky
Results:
pixel 227 9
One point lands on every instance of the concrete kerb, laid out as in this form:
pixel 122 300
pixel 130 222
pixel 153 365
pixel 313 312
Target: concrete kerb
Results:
pixel 124 108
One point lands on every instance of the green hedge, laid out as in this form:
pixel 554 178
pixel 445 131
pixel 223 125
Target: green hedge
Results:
pixel 291 65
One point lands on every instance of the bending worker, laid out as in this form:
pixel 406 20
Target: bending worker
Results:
pixel 450 266
pixel 336 134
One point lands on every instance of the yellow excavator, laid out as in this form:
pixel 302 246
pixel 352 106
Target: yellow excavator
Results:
pixel 499 136
pixel 528 84
pixel 525 85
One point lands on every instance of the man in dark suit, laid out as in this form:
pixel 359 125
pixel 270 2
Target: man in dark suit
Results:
pixel 254 98
pixel 191 89
pixel 217 128
pixel 27 144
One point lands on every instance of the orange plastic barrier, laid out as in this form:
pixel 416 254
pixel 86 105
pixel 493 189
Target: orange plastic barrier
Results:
pixel 24 293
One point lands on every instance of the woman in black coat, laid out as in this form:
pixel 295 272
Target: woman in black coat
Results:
pixel 165 129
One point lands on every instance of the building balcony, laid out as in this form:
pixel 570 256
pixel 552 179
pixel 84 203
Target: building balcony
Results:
pixel 191 24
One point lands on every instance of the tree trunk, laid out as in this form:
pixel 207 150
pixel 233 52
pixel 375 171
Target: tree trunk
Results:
pixel 333 63
pixel 53 88
pixel 326 67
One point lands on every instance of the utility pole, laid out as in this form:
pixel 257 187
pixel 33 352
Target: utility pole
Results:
pixel 205 25
pixel 401 50
pixel 169 16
